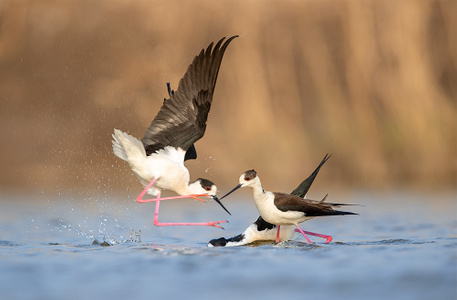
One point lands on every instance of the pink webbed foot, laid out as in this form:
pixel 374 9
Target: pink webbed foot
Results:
pixel 213 224
pixel 327 237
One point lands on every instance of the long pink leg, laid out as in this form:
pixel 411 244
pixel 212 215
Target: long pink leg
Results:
pixel 301 231
pixel 327 237
pixel 141 200
pixel 157 223
pixel 277 234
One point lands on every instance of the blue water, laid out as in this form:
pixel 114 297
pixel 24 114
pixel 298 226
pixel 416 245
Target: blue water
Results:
pixel 402 246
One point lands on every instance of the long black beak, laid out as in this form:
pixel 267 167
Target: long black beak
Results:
pixel 237 187
pixel 220 203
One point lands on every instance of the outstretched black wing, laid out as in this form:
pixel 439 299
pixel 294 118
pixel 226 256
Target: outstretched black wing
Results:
pixel 182 119
pixel 191 153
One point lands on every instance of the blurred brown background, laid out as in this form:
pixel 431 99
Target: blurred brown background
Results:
pixel 372 82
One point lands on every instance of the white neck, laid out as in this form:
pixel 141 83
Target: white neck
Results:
pixel 258 190
pixel 260 195
pixel 264 201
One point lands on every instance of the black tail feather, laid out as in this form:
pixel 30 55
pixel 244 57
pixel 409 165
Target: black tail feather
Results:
pixel 339 212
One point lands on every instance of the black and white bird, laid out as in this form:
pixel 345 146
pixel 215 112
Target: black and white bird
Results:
pixel 158 159
pixel 287 209
pixel 261 230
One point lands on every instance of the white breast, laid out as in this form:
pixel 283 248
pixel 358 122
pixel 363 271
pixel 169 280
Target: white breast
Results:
pixel 265 205
pixel 168 168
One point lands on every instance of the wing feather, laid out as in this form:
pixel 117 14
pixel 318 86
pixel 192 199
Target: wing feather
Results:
pixel 303 187
pixel 310 208
pixel 182 119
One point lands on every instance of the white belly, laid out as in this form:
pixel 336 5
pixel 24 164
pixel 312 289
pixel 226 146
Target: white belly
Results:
pixel 268 211
pixel 170 175
pixel 166 166
pixel 284 218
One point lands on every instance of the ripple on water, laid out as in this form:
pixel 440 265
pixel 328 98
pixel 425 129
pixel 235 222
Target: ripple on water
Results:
pixel 391 242
pixel 8 244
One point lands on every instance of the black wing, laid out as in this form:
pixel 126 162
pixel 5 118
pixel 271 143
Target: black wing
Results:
pixel 303 188
pixel 310 208
pixel 182 119
pixel 191 153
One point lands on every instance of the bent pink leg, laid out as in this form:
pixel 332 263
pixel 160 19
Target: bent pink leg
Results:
pixel 301 231
pixel 327 237
pixel 141 200
pixel 157 223
pixel 140 196
pixel 277 234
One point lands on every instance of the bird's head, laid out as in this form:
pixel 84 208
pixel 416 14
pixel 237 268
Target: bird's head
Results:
pixel 248 178
pixel 207 187
pixel 203 186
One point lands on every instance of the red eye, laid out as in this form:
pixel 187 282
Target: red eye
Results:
pixel 247 178
pixel 208 188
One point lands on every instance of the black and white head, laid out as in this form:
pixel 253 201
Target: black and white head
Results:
pixel 248 178
pixel 203 186
pixel 207 187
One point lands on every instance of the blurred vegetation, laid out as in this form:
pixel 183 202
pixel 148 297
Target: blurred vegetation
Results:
pixel 372 82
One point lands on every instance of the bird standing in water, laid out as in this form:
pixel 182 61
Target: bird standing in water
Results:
pixel 287 209
pixel 158 159
pixel 261 230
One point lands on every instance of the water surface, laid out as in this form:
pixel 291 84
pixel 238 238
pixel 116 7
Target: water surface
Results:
pixel 402 246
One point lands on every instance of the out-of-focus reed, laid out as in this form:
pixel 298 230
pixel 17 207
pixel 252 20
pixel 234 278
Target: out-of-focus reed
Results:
pixel 373 82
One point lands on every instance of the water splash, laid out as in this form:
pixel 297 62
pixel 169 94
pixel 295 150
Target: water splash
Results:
pixel 109 232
